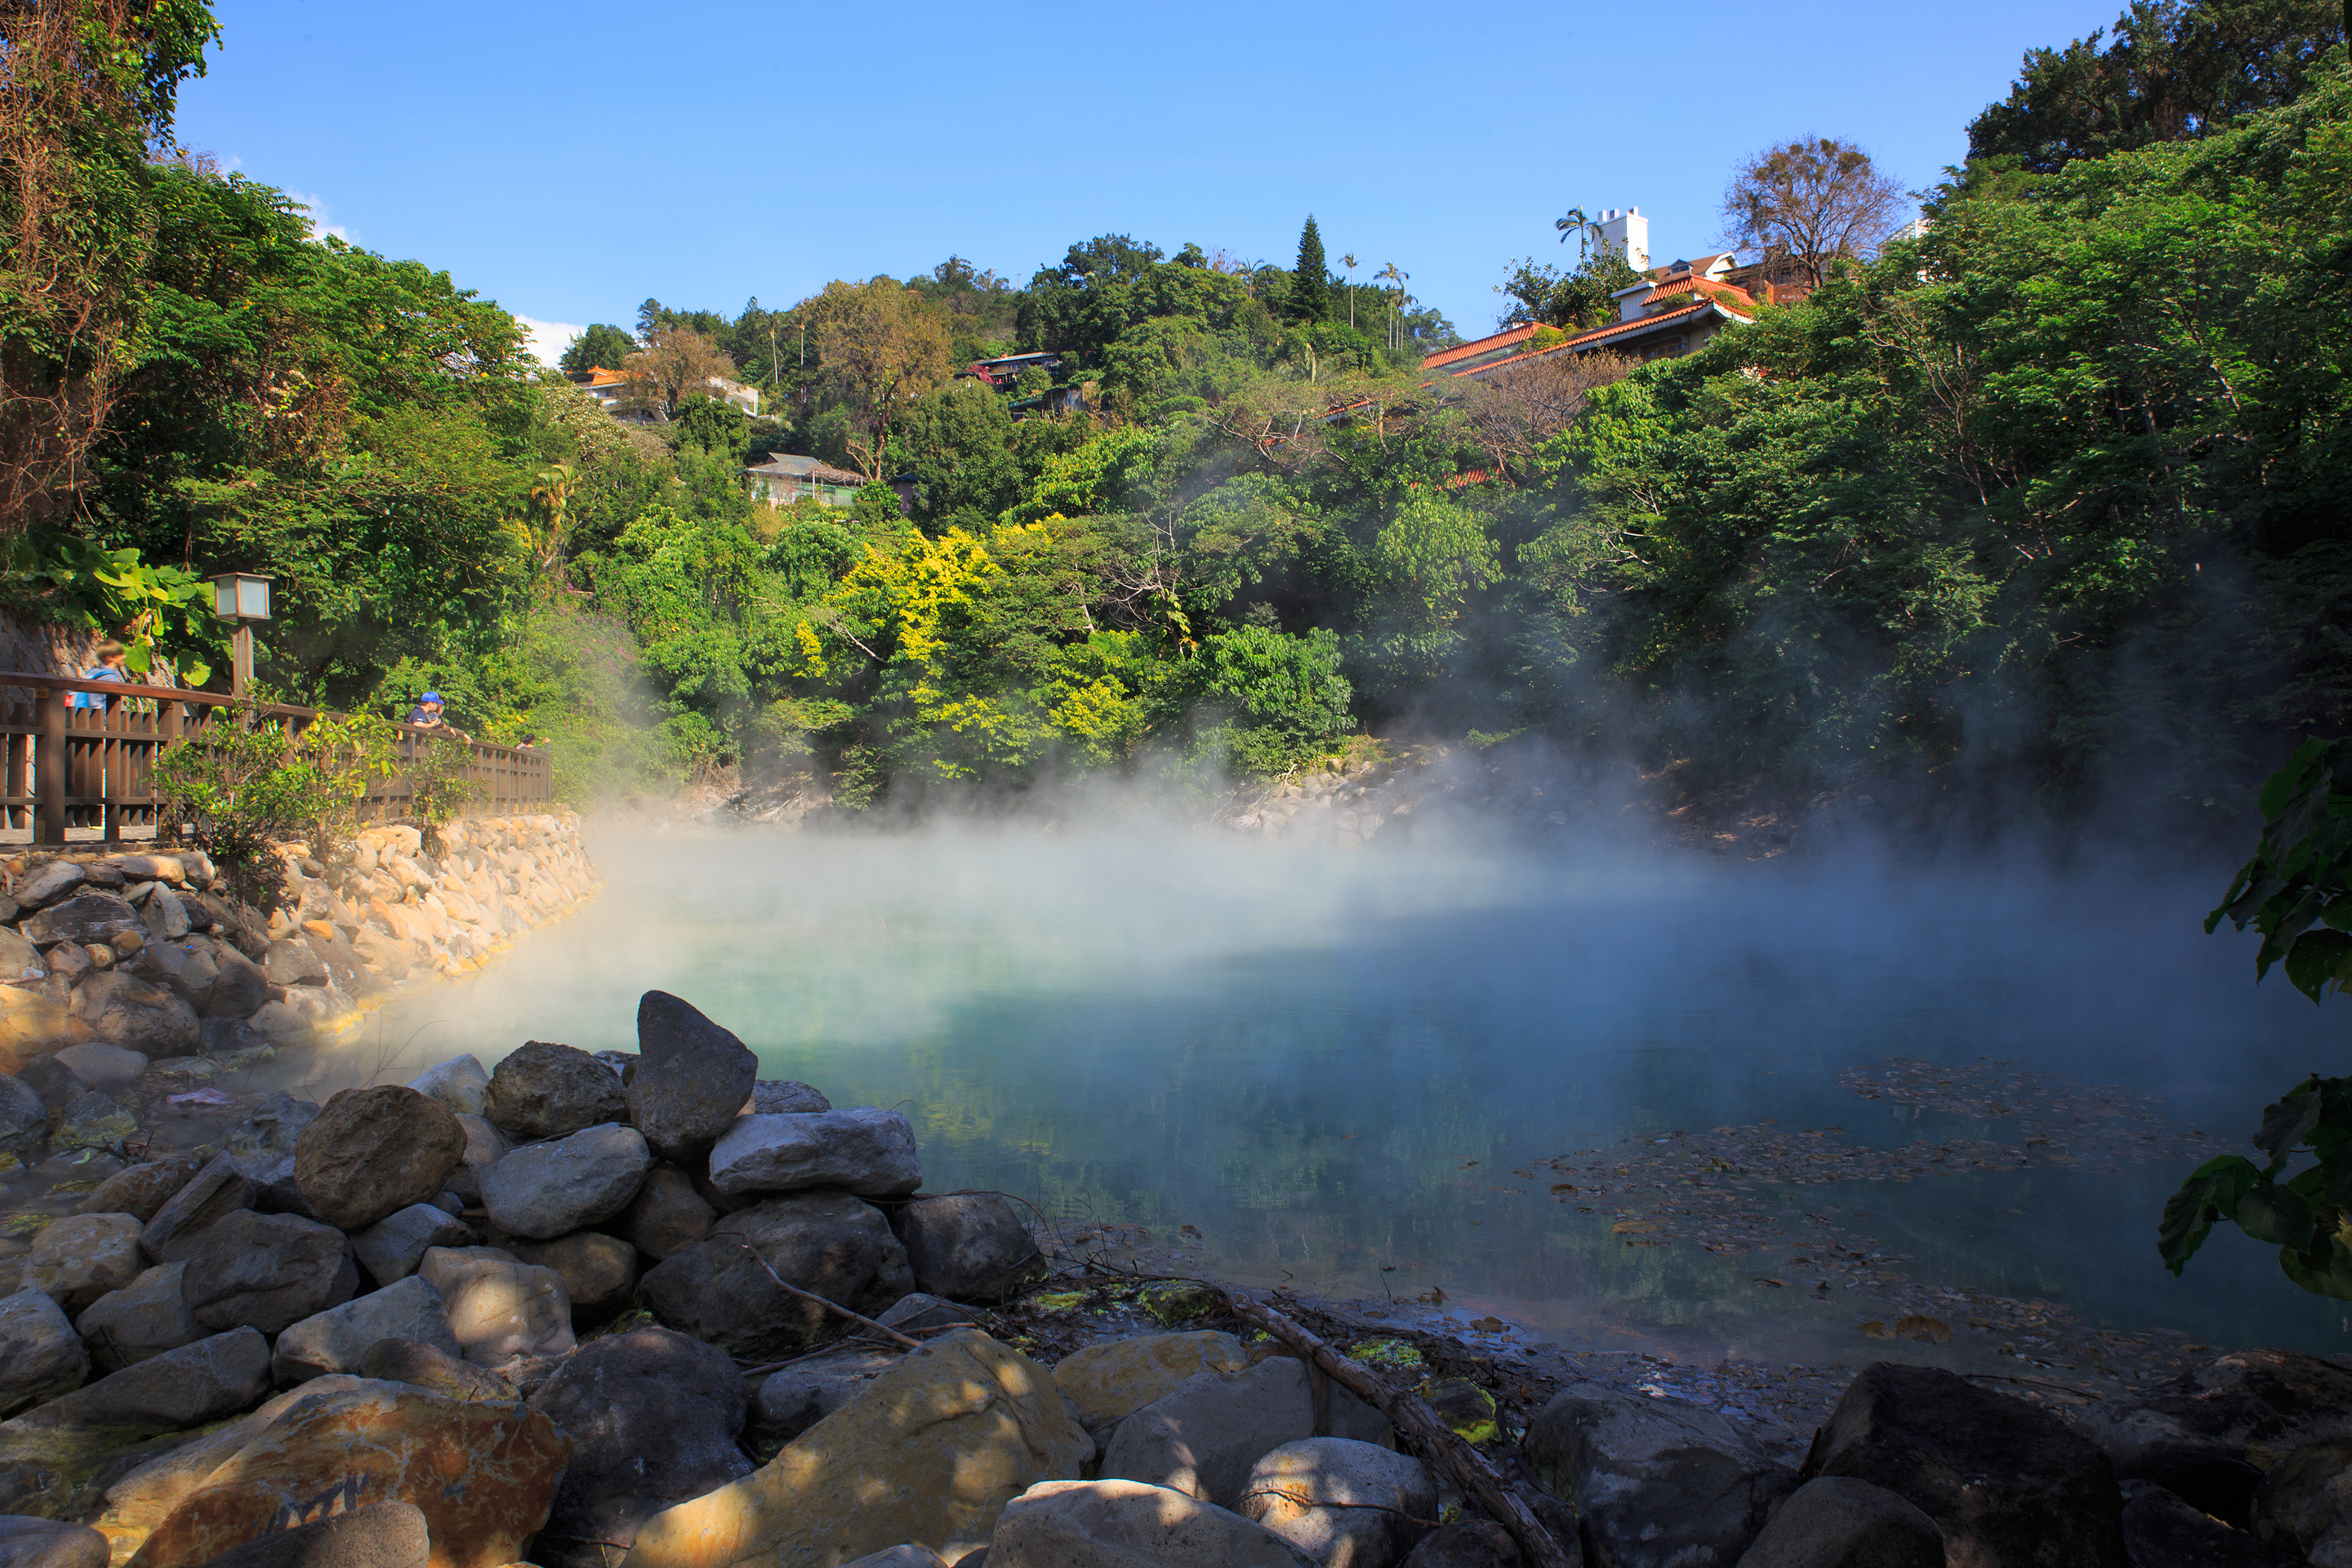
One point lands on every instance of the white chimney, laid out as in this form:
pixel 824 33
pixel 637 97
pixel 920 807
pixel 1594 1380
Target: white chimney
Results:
pixel 1627 233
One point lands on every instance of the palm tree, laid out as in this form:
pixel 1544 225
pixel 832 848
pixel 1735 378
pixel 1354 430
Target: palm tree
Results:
pixel 1350 263
pixel 1389 274
pixel 1573 219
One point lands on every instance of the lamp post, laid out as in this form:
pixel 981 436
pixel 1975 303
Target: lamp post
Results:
pixel 242 598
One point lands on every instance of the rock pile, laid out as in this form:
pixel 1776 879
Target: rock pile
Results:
pixel 150 956
pixel 610 1309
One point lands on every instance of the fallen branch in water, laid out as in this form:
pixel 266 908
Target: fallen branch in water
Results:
pixel 785 1284
pixel 1414 1418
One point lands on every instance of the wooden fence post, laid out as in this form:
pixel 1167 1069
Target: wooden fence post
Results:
pixel 49 769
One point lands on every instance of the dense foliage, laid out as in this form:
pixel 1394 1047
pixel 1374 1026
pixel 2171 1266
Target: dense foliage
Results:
pixel 2044 497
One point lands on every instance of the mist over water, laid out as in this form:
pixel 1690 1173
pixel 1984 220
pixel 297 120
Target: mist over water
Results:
pixel 1301 1052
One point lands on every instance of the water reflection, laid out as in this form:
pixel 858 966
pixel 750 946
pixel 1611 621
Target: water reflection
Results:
pixel 1331 1065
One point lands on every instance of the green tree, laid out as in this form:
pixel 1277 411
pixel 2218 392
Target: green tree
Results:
pixel 599 347
pixel 1310 285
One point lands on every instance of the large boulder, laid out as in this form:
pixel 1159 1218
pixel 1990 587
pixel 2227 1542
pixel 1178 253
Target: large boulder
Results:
pixel 429 1366
pixel 2008 1483
pixel 27 1541
pixel 967 1246
pixel 378 1535
pixel 797 1396
pixel 263 1147
pixel 20 961
pixel 294 961
pixel 337 1339
pixel 1112 1379
pixel 654 1417
pixel 1202 1437
pixel 835 1245
pixel 373 1151
pixel 931 1454
pixel 691 1076
pixel 41 1357
pixel 100 1066
pixel 2208 1435
pixel 188 968
pixel 599 1272
pixel 1835 1521
pixel 119 1006
pixel 867 1152
pixel 94 1121
pixel 2160 1531
pixel 1128 1525
pixel 1657 1481
pixel 240 988
pixel 181 1388
pixel 1470 1543
pixel 785 1097
pixel 551 1189
pixel 176 1231
pixel 500 1307
pixel 667 1215
pixel 546 1091
pixel 92 919
pixel 2305 1503
pixel 485 1147
pixel 47 883
pixel 461 1083
pixel 82 1257
pixel 142 1320
pixel 268 1272
pixel 483 1476
pixel 142 1189
pixel 392 1248
pixel 24 1118
pixel 1345 1504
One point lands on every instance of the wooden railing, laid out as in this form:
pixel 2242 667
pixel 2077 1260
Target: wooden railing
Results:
pixel 66 766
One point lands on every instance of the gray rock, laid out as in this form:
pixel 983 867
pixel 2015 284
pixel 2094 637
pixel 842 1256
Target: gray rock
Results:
pixel 1475 1543
pixel 93 1121
pixel 27 1541
pixel 20 961
pixel 2160 1531
pixel 166 916
pixel 667 1215
pixel 373 1151
pixel 338 1339
pixel 622 1062
pixel 92 919
pixel 692 1077
pixel 1128 1525
pixel 868 1151
pixel 922 1313
pixel 1656 1481
pixel 23 1119
pixel 391 1249
pixel 1832 1521
pixel 654 1417
pixel 796 1397
pixel 293 961
pixel 785 1097
pixel 485 1147
pixel 380 1535
pixel 47 884
pixel 100 1066
pixel 186 968
pixel 500 1307
pixel 143 1188
pixel 1202 1437
pixel 427 1366
pixel 41 1357
pixel 2006 1481
pixel 229 1036
pixel 268 1272
pixel 142 1320
pixel 547 1190
pixel 910 1555
pixel 600 1272
pixel 1344 1503
pixel 119 1006
pixel 546 1091
pixel 461 1083
pixel 181 1388
pixel 2305 1503
pixel 968 1245
pixel 77 1259
pixel 832 1243
pixel 240 988
pixel 2208 1435
pixel 52 1083
pixel 211 1195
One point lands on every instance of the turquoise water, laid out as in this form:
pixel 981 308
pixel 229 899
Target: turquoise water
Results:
pixel 1300 1054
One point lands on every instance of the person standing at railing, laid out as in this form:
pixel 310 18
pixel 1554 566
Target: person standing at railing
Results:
pixel 111 658
pixel 427 715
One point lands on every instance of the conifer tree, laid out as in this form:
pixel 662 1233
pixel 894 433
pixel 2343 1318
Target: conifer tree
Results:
pixel 1311 292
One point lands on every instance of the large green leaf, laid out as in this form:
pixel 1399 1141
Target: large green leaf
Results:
pixel 2211 1193
pixel 2325 1269
pixel 2274 1214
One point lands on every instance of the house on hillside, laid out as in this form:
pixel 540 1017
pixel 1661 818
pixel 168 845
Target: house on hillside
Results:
pixel 612 391
pixel 1003 372
pixel 1669 313
pixel 787 476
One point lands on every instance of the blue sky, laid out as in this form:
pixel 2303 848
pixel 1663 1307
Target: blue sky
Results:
pixel 570 161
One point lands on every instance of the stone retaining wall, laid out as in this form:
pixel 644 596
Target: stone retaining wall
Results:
pixel 153 954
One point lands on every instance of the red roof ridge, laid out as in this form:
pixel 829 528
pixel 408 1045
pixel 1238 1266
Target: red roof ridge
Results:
pixel 1482 345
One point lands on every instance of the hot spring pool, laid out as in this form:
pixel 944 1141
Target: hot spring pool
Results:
pixel 1331 1067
